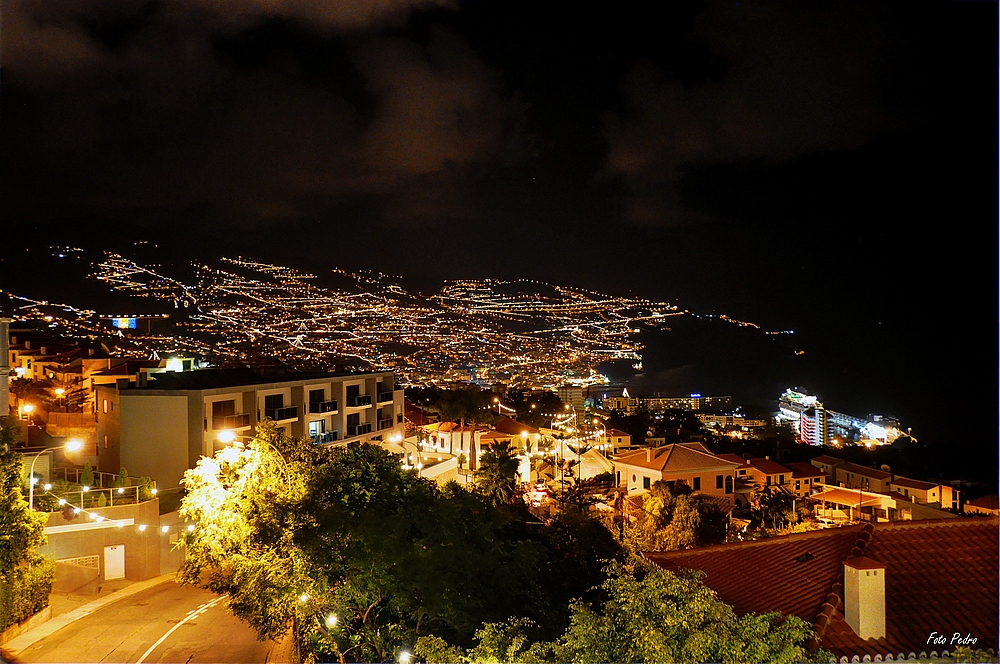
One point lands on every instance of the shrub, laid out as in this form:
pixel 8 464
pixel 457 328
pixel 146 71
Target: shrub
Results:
pixel 24 591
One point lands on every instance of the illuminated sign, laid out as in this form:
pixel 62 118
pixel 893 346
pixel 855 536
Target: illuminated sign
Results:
pixel 123 323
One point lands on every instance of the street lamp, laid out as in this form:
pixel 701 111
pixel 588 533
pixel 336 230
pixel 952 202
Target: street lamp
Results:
pixel 27 409
pixel 70 446
pixel 60 392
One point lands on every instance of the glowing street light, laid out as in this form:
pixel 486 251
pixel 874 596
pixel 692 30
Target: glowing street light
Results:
pixel 70 446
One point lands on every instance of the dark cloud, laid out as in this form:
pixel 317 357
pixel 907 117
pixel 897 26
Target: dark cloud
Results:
pixel 153 108
pixel 797 79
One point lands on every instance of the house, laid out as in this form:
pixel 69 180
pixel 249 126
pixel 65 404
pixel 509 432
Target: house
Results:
pixel 925 492
pixel 855 476
pixel 872 592
pixel 161 425
pixel 689 464
pixel 767 473
pixel 805 477
pixel 827 464
pixel 835 504
pixel 984 505
pixel 742 470
pixel 613 440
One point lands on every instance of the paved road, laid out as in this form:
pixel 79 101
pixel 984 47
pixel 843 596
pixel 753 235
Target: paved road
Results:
pixel 165 623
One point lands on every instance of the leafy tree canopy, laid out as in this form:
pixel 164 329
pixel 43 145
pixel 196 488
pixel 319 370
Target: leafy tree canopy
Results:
pixel 21 530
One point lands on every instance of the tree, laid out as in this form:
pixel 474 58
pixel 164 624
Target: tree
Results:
pixel 670 519
pixel 25 576
pixel 496 477
pixel 649 615
pixel 656 616
pixel 87 476
pixel 346 532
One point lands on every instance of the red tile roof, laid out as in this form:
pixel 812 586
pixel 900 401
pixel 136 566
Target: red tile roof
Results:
pixel 672 458
pixel 802 469
pixel 769 467
pixel 991 502
pixel 912 484
pixel 941 575
pixel 735 458
pixel 866 471
pixel 828 460
pixel 513 427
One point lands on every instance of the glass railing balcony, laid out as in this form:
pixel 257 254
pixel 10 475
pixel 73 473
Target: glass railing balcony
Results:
pixel 358 429
pixel 385 424
pixel 279 414
pixel 384 397
pixel 220 422
pixel 325 437
pixel 322 406
pixel 359 400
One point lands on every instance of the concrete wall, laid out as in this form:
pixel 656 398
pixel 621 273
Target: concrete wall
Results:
pixel 80 536
pixel 155 437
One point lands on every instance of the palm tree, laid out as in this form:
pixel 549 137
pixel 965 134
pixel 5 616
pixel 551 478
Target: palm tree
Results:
pixel 496 477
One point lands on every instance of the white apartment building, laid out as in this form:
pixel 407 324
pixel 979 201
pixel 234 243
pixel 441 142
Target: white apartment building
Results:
pixel 162 424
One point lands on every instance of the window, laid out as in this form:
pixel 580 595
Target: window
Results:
pixel 781 480
pixel 645 482
pixel 353 390
pixel 729 484
pixel 697 484
pixel 354 419
pixel 105 441
pixel 718 481
pixel 316 396
pixel 797 483
pixel 105 407
pixel 317 428
pixel 222 408
pixel 767 480
pixel 274 401
pixel 633 477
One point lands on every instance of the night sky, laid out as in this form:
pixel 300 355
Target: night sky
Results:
pixel 826 166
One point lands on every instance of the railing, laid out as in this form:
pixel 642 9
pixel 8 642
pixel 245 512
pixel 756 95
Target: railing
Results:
pixel 383 397
pixel 326 437
pixel 359 400
pixel 50 501
pixel 358 429
pixel 220 422
pixel 278 414
pixel 322 406
pixel 101 480
pixel 385 424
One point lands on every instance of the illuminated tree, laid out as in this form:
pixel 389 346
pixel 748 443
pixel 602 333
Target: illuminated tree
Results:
pixel 25 576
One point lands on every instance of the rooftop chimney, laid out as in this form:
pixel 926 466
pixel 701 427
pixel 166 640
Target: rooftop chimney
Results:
pixel 649 455
pixel 864 597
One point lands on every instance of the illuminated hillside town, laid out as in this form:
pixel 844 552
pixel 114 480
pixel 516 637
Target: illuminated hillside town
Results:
pixel 122 415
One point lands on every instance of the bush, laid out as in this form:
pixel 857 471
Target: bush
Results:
pixel 24 591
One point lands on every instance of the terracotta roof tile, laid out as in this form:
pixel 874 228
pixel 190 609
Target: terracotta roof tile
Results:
pixel 769 467
pixel 513 427
pixel 828 460
pixel 866 471
pixel 802 469
pixel 672 458
pixel 912 484
pixel 941 575
pixel 992 502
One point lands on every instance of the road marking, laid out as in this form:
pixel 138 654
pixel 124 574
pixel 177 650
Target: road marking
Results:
pixel 193 613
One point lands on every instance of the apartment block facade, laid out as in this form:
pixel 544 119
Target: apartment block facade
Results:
pixel 161 425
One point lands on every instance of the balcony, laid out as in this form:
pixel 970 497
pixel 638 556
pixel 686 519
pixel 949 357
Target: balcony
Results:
pixel 280 414
pixel 383 397
pixel 322 406
pixel 358 429
pixel 220 422
pixel 385 424
pixel 326 437
pixel 359 400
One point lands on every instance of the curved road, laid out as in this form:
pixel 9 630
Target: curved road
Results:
pixel 165 623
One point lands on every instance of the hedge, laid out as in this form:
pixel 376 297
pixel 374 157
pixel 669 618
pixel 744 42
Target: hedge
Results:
pixel 24 591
